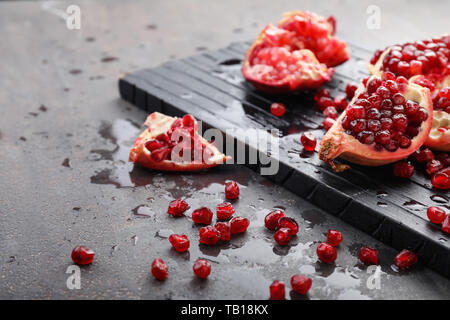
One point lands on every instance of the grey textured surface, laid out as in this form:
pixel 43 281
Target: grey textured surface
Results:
pixel 50 204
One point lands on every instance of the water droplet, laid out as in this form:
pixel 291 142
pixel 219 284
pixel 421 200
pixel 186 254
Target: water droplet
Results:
pixel 134 239
pixel 143 211
pixel 163 233
pixel 382 194
pixel 382 204
pixel 438 198
pixel 414 205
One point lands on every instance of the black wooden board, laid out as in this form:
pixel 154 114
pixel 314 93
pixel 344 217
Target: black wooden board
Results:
pixel 210 87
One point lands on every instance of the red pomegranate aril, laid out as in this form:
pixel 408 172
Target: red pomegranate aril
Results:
pixel 328 123
pixel 424 155
pixel 411 108
pixel 400 122
pixel 366 137
pixel 202 268
pixel 322 93
pixel 161 154
pixel 159 269
pixel 383 137
pixel 374 125
pixel 179 242
pixel 405 259
pixel 386 104
pixel 444 158
pixel 391 85
pixel 340 103
pixel 415 67
pixel 326 253
pixel 308 141
pixel 433 166
pixel 231 190
pixel 376 101
pixel 384 92
pixel 403 169
pixel 441 179
pixel 354 112
pixel 209 235
pixel 325 102
pixel 224 210
pixel 202 215
pixel 239 225
pixel 283 236
pixel 436 215
pixel 373 85
pixel 330 112
pixel 358 125
pixel 153 145
pixel 446 224
pixel 277 290
pixel 286 222
pixel 189 121
pixel 350 90
pixel 278 109
pixel 224 229
pixel 272 218
pixel 82 255
pixel 368 255
pixel 177 207
pixel 301 284
pixel 404 142
pixel 334 237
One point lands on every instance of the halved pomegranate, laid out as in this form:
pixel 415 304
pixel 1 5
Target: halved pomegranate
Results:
pixel 173 144
pixel 388 119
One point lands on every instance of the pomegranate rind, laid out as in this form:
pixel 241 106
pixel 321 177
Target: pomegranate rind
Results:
pixel 157 124
pixel 336 143
pixel 439 139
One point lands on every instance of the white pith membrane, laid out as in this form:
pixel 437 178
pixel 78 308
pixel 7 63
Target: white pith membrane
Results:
pixel 157 124
pixel 337 143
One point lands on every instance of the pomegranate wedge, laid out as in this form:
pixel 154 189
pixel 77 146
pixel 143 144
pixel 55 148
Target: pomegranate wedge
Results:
pixel 388 119
pixel 173 144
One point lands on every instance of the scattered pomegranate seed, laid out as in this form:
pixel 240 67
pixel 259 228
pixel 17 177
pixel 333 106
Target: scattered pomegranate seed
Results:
pixel 180 242
pixel 231 190
pixel 326 253
pixel 82 255
pixel 441 180
pixel 334 237
pixel 403 169
pixel 424 155
pixel 433 166
pixel 277 290
pixel 350 90
pixel 405 259
pixel 301 284
pixel 272 218
pixel 224 210
pixel 308 141
pixel 446 224
pixel 368 255
pixel 177 207
pixel 340 103
pixel 209 235
pixel 322 93
pixel 328 123
pixel 202 215
pixel 202 268
pixel 239 225
pixel 325 102
pixel 283 236
pixel 278 109
pixel 330 112
pixel 224 229
pixel 436 215
pixel 289 223
pixel 159 269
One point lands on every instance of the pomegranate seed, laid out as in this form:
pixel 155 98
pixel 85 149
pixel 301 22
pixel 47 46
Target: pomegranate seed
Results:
pixel 433 166
pixel 436 215
pixel 328 123
pixel 424 155
pixel 322 93
pixel 177 207
pixel 224 229
pixel 283 236
pixel 82 255
pixel 231 190
pixel 239 225
pixel 289 223
pixel 180 242
pixel 159 269
pixel 350 90
pixel 443 158
pixel 202 215
pixel 209 235
pixel 446 224
pixel 308 141
pixel 301 284
pixel 189 121
pixel 277 290
pixel 368 255
pixel 340 103
pixel 277 109
pixel 202 268
pixel 326 253
pixel 272 218
pixel 154 145
pixel 405 259
pixel 334 237
pixel 324 102
pixel 403 169
pixel 330 112
pixel 441 180
pixel 224 211
pixel 161 154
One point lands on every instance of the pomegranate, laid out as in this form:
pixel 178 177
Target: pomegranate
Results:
pixel 202 268
pixel 283 236
pixel 368 255
pixel 159 269
pixel 278 109
pixel 326 253
pixel 224 210
pixel 388 119
pixel 334 237
pixel 403 169
pixel 173 144
pixel 441 179
pixel 436 215
pixel 277 290
pixel 446 224
pixel 224 229
pixel 179 242
pixel 289 223
pixel 272 218
pixel 231 190
pixel 405 259
pixel 202 215
pixel 82 255
pixel 301 284
pixel 308 141
pixel 177 207
pixel 209 235
pixel 239 225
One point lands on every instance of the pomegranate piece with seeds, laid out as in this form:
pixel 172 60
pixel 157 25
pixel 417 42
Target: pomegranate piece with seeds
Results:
pixel 224 229
pixel 159 269
pixel 174 144
pixel 301 284
pixel 202 215
pixel 179 242
pixel 209 235
pixel 403 169
pixel 368 255
pixel 405 259
pixel 441 179
pixel 224 210
pixel 278 109
pixel 326 253
pixel 231 190
pixel 177 207
pixel 436 215
pixel 286 222
pixel 82 255
pixel 376 128
pixel 239 225
pixel 272 218
pixel 446 224
pixel 308 141
pixel 283 236
pixel 277 290
pixel 202 268
pixel 334 237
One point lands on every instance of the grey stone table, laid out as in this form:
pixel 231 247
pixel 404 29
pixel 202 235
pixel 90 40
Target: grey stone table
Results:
pixel 65 135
